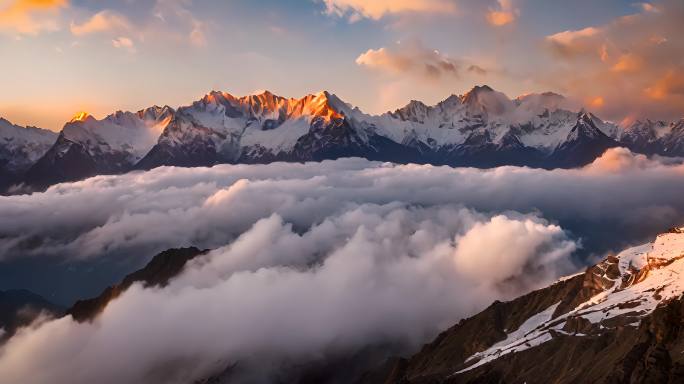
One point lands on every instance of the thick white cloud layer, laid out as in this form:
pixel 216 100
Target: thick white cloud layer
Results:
pixel 312 259
pixel 368 274
pixel 621 195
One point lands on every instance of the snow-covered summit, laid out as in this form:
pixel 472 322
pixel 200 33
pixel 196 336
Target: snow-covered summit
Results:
pixel 121 132
pixel 538 121
pixel 20 147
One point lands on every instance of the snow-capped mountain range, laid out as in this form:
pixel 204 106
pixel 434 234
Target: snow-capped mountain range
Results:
pixel 620 321
pixel 482 128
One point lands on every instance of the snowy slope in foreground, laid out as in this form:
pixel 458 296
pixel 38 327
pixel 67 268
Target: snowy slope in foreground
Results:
pixel 635 283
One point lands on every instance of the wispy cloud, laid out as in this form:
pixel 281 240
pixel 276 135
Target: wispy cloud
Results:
pixel 176 15
pixel 105 21
pixel 414 58
pixel 124 43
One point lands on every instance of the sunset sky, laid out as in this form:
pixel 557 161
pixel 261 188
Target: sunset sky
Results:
pixel 619 58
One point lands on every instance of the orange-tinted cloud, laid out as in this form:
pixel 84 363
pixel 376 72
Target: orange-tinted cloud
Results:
pixel 628 63
pixel 635 62
pixel 574 43
pixel 124 43
pixel 597 102
pixel 103 21
pixel 503 15
pixel 376 9
pixel 669 85
pixel 30 17
pixel 413 58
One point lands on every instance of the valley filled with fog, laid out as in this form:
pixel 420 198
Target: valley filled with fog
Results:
pixel 310 260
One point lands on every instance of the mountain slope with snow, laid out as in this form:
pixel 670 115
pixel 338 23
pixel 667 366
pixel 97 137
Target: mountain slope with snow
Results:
pixel 21 147
pixel 263 128
pixel 620 321
pixel 655 137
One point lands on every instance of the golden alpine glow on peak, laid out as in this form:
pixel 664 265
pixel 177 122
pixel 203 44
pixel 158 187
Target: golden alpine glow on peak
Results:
pixel 81 116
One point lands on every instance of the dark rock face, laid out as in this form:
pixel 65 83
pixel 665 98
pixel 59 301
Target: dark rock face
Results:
pixel 65 161
pixel 70 161
pixel 338 139
pixel 611 354
pixel 443 356
pixel 583 145
pixel 194 153
pixel 20 307
pixel 655 138
pixel 157 272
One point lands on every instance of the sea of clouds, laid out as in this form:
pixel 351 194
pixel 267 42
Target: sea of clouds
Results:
pixel 317 259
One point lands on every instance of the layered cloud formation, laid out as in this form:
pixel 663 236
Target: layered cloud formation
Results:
pixel 367 275
pixel 145 213
pixel 314 260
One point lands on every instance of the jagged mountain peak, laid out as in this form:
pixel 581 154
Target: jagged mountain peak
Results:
pixel 217 97
pixel 678 125
pixel 415 110
pixel 479 88
pixel 267 105
pixel 4 122
pixel 483 100
pixel 585 127
pixel 450 102
pixel 81 117
pixel 155 112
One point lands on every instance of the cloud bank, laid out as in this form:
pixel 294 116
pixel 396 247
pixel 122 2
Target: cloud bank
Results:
pixel 144 213
pixel 314 260
pixel 634 63
pixel 367 275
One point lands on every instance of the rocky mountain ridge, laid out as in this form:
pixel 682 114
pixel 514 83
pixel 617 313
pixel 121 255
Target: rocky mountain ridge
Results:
pixel 481 128
pixel 618 322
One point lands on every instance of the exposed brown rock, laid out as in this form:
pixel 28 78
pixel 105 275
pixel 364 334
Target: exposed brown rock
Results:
pixel 157 272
